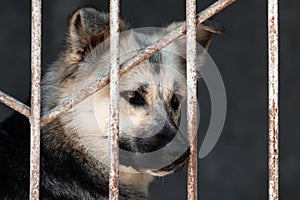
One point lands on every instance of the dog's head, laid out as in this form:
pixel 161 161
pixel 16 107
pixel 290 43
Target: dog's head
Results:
pixel 151 95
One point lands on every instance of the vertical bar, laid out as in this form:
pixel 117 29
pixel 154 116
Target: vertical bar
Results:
pixel 273 100
pixel 114 97
pixel 35 98
pixel 191 97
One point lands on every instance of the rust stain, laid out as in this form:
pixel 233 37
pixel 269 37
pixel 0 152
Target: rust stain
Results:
pixel 191 97
pixel 114 101
pixel 273 100
pixel 35 99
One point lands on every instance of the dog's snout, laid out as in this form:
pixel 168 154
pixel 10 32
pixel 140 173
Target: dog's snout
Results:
pixel 149 144
pixel 159 140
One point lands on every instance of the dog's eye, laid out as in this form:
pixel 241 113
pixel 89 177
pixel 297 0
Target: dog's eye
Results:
pixel 174 102
pixel 134 98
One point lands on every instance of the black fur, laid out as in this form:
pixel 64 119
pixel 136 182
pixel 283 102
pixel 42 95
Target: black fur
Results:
pixel 14 157
pixel 65 172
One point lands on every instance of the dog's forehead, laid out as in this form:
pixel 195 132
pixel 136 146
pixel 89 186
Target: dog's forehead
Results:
pixel 153 75
pixel 164 68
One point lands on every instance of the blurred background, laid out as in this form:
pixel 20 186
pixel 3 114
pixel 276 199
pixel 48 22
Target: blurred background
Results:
pixel 237 167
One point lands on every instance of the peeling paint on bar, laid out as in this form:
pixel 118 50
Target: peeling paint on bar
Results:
pixel 35 98
pixel 191 97
pixel 273 100
pixel 114 101
pixel 15 104
pixel 131 63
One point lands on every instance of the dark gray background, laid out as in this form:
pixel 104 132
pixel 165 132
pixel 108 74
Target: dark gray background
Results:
pixel 237 166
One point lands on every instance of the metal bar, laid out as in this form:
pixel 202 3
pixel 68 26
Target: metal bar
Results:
pixel 131 63
pixel 191 96
pixel 35 98
pixel 15 104
pixel 273 100
pixel 114 101
pixel 74 100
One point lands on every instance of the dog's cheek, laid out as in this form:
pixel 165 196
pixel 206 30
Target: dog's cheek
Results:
pixel 101 107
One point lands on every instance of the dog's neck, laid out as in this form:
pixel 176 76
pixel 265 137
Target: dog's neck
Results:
pixel 140 181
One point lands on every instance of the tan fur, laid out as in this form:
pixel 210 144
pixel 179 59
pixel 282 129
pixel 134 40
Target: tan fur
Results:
pixel 86 126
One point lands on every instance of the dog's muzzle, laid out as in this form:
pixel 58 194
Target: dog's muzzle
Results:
pixel 164 152
pixel 150 144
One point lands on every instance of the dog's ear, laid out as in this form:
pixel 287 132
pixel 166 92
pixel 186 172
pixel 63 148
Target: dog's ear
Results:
pixel 204 31
pixel 87 28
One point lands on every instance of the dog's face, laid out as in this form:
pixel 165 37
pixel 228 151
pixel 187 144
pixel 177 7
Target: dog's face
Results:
pixel 151 95
pixel 150 107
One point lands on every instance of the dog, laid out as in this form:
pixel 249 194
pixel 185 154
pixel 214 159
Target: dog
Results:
pixel 75 146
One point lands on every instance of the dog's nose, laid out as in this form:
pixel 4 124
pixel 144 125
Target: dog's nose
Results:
pixel 159 140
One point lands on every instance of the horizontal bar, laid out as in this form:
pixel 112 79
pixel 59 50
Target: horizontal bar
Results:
pixel 191 97
pixel 114 101
pixel 14 104
pixel 131 63
pixel 273 100
pixel 35 127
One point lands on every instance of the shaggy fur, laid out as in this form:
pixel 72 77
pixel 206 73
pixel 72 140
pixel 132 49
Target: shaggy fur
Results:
pixel 74 147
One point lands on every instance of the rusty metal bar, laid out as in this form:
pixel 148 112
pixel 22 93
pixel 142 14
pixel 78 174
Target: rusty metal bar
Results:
pixel 36 15
pixel 131 63
pixel 191 96
pixel 114 101
pixel 15 104
pixel 273 100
